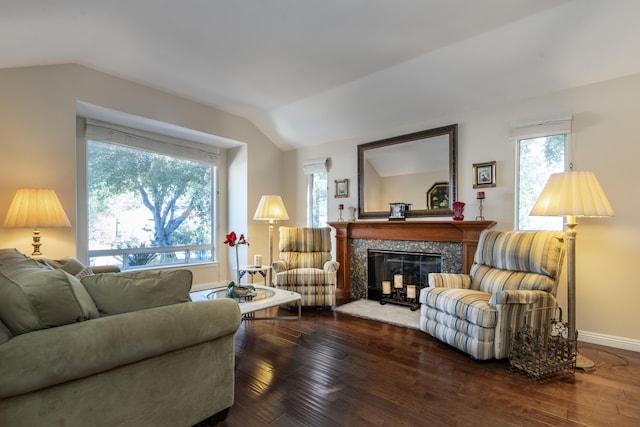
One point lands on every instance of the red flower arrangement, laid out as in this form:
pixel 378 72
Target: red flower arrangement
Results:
pixel 233 241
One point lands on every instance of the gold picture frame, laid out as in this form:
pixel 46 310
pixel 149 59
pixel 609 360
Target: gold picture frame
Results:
pixel 484 175
pixel 342 188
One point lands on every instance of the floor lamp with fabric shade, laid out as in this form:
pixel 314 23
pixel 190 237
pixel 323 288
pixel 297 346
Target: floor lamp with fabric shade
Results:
pixel 271 209
pixel 35 208
pixel 573 194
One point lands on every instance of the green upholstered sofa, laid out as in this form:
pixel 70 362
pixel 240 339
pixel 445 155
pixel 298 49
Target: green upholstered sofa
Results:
pixel 511 272
pixel 114 349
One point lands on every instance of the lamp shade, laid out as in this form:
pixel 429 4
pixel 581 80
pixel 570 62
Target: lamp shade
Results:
pixel 271 207
pixel 575 193
pixel 35 208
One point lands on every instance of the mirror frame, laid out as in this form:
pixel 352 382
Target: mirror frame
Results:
pixel 451 130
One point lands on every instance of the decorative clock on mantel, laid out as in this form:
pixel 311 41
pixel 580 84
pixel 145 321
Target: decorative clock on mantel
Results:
pixel 397 210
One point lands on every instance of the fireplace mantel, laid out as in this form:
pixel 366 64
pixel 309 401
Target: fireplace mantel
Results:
pixel 465 232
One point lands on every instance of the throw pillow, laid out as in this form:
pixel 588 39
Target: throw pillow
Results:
pixel 116 293
pixel 69 264
pixel 34 296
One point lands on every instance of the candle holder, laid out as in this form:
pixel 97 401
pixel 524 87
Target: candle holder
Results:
pixel 340 209
pixel 480 198
pixel 399 296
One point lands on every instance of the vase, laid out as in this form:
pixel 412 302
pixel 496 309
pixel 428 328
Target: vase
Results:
pixel 458 209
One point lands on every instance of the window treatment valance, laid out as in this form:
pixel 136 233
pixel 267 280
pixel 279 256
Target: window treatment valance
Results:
pixel 101 131
pixel 314 166
pixel 529 129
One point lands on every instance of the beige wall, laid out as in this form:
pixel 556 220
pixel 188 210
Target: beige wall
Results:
pixel 605 137
pixel 37 148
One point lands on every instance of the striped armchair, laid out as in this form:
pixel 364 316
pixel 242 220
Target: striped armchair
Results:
pixel 305 265
pixel 511 272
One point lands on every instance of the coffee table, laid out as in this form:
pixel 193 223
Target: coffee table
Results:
pixel 265 297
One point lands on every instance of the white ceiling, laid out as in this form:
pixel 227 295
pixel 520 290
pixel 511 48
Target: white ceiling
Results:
pixel 313 71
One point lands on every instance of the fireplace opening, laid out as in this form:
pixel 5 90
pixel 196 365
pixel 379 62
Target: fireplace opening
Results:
pixel 413 266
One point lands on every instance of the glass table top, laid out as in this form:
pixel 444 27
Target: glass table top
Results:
pixel 258 295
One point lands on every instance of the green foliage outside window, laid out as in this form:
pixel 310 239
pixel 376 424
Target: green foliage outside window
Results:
pixel 139 199
pixel 538 159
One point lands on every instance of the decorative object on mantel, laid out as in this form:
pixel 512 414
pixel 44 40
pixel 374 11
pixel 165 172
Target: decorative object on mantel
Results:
pixel 35 208
pixel 340 209
pixel 480 196
pixel 342 188
pixel 352 213
pixel 458 209
pixel 401 294
pixel 397 210
pixel 484 175
pixel 573 194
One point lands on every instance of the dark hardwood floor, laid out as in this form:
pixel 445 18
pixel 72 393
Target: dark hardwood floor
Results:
pixel 347 371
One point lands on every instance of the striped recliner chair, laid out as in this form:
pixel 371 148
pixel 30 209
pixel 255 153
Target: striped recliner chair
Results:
pixel 511 273
pixel 305 265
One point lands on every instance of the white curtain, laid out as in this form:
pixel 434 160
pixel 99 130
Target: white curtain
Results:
pixel 314 166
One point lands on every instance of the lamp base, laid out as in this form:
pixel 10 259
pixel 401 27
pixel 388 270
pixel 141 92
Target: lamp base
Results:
pixel 585 363
pixel 36 243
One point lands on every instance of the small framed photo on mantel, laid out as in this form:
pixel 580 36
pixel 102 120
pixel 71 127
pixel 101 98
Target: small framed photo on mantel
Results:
pixel 484 175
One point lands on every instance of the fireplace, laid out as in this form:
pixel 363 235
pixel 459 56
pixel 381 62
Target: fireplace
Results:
pixel 455 241
pixel 414 267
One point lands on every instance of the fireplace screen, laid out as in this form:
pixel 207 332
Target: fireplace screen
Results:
pixel 414 268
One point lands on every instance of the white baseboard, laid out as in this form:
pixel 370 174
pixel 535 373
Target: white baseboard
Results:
pixel 609 340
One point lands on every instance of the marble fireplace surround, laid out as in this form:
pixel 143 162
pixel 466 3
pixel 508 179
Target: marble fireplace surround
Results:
pixel 455 240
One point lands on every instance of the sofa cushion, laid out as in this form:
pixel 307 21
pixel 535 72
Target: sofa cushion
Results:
pixel 34 296
pixel 533 252
pixel 116 293
pixel 5 333
pixel 11 254
pixel 468 304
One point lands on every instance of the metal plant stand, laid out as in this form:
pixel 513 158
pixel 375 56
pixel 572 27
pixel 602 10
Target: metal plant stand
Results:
pixel 543 347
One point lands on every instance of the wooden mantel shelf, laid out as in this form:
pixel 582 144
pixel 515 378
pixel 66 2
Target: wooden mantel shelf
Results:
pixel 465 232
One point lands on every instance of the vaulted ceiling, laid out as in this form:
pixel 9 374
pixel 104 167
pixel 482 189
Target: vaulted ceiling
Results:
pixel 313 71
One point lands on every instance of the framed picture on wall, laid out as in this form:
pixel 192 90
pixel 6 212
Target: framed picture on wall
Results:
pixel 342 188
pixel 484 175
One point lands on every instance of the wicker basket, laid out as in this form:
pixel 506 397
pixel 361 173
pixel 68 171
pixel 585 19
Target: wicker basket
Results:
pixel 541 346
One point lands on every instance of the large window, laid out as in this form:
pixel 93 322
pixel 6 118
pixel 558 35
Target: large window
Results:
pixel 150 202
pixel 538 158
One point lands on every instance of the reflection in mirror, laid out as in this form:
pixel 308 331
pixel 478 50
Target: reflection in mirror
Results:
pixel 412 169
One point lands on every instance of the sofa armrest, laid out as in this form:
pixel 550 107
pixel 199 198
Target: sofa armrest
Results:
pixel 539 298
pixel 52 356
pixel 280 266
pixel 331 266
pixel 449 280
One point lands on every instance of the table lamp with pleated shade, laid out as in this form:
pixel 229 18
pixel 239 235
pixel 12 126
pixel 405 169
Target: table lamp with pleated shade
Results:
pixel 36 208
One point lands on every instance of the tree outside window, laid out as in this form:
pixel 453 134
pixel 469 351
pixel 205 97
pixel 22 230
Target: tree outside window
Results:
pixel 538 158
pixel 147 208
pixel 317 195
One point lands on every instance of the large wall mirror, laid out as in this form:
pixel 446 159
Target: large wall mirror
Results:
pixel 419 169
